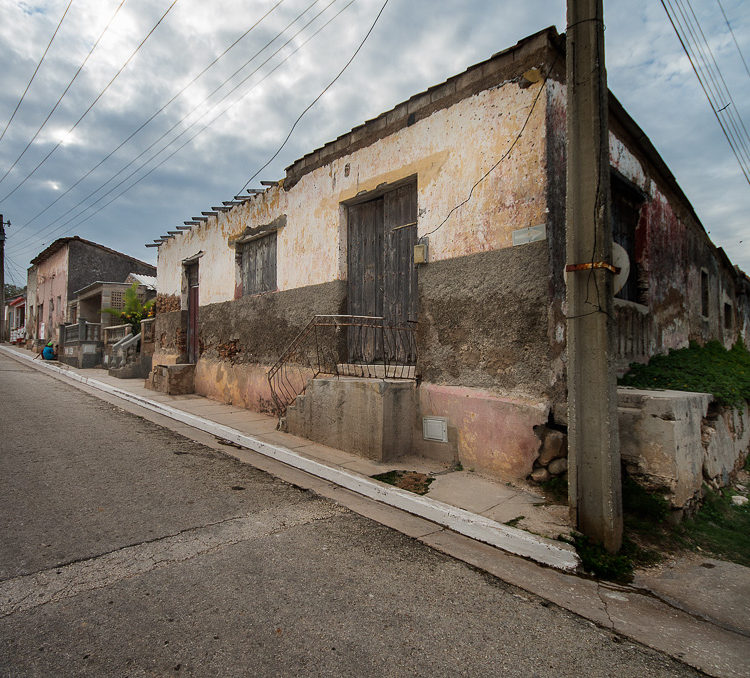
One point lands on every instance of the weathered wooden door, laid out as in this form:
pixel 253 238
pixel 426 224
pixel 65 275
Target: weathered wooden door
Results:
pixel 192 328
pixel 382 279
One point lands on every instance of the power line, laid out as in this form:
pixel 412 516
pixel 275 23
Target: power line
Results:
pixel 33 75
pixel 93 103
pixel 207 125
pixel 146 122
pixel 65 91
pixel 733 37
pixel 733 113
pixel 314 101
pixel 671 15
pixel 187 115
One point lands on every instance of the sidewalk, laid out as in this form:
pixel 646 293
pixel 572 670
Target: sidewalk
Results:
pixel 694 610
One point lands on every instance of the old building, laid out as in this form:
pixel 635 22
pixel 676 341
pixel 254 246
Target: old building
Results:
pixel 430 243
pixel 15 319
pixel 58 272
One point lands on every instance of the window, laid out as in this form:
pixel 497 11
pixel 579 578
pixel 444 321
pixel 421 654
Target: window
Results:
pixel 727 316
pixel 257 260
pixel 704 293
pixel 627 200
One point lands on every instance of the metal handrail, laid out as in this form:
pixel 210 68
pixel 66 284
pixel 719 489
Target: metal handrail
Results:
pixel 343 346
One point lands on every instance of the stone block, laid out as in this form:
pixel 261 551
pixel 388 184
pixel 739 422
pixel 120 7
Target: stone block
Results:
pixel 172 379
pixel 555 446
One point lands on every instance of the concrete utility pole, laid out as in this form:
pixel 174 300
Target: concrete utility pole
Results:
pixel 2 278
pixel 593 437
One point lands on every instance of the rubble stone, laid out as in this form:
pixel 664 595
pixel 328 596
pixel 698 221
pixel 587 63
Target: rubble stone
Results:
pixel 540 475
pixel 555 446
pixel 558 466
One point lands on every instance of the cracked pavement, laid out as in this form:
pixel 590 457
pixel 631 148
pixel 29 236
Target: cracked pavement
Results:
pixel 128 550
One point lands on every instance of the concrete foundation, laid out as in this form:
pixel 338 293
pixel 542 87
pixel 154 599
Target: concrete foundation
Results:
pixel 172 379
pixel 673 442
pixel 369 417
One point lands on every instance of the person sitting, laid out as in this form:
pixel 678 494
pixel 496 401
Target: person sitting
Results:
pixel 49 352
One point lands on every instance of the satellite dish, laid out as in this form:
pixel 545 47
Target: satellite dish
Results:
pixel 620 260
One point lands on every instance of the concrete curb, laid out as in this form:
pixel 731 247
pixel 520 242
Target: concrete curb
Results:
pixel 554 554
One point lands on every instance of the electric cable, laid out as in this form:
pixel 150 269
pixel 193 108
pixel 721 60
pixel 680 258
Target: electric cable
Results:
pixel 93 103
pixel 672 20
pixel 146 122
pixel 314 101
pixel 65 91
pixel 196 107
pixel 33 75
pixel 742 56
pixel 722 96
pixel 206 126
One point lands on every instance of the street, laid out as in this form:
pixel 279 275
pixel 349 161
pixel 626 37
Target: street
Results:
pixel 129 550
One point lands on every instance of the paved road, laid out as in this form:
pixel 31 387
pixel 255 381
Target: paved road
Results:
pixel 128 550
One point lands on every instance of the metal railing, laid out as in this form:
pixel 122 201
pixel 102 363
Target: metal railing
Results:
pixel 114 333
pixel 343 346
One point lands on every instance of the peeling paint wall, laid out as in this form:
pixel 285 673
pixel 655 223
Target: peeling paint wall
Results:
pixel 52 292
pixel 312 246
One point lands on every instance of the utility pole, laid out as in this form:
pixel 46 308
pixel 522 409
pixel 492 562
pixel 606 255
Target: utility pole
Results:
pixel 595 490
pixel 2 278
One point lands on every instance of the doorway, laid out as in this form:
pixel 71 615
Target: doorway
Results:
pixel 191 273
pixel 382 278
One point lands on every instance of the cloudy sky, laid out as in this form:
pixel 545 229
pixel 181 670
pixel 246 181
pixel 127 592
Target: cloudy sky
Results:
pixel 415 44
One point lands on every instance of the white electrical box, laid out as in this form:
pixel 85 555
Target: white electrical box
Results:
pixel 435 428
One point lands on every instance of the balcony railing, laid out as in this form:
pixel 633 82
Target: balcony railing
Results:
pixel 343 346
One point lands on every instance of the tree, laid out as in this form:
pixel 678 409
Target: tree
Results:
pixel 133 310
pixel 13 291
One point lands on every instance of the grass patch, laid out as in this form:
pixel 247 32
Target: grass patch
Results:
pixel 556 489
pixel 720 527
pixel 514 521
pixel 413 481
pixel 706 369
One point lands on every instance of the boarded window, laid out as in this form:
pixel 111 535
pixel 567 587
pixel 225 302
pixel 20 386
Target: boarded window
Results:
pixel 258 265
pixel 704 294
pixel 625 213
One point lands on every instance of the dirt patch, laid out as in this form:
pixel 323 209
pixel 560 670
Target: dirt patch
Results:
pixel 413 481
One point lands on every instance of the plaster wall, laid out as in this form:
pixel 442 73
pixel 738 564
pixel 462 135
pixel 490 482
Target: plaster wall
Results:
pixel 311 248
pixel 52 282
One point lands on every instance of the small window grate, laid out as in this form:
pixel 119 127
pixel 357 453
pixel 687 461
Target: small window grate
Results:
pixel 117 299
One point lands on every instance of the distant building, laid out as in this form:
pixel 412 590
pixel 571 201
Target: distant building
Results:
pixel 58 272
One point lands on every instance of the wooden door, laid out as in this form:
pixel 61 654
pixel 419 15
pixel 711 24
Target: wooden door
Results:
pixel 382 279
pixel 192 328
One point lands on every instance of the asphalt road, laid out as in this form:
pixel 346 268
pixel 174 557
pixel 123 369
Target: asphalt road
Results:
pixel 129 550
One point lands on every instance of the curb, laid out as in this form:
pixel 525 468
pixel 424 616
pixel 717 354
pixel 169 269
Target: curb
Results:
pixel 510 539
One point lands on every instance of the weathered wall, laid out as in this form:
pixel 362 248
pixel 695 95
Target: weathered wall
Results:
pixel 88 264
pixel 482 321
pixel 31 302
pixel 52 282
pixel 671 249
pixel 257 328
pixel 312 246
pixel 170 337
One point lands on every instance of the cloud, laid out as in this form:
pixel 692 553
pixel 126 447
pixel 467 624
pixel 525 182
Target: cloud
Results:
pixel 416 44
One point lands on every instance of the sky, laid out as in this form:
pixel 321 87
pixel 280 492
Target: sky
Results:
pixel 413 45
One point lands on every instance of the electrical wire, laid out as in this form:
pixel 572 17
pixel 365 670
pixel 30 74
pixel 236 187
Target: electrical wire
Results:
pixel 93 103
pixel 495 165
pixel 196 107
pixel 314 101
pixel 674 21
pixel 65 91
pixel 722 96
pixel 147 121
pixel 206 126
pixel 33 75
pixel 742 56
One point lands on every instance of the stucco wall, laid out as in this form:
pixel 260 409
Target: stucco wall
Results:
pixel 52 282
pixel 312 246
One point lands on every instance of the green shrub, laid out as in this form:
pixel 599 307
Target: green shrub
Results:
pixel 705 369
